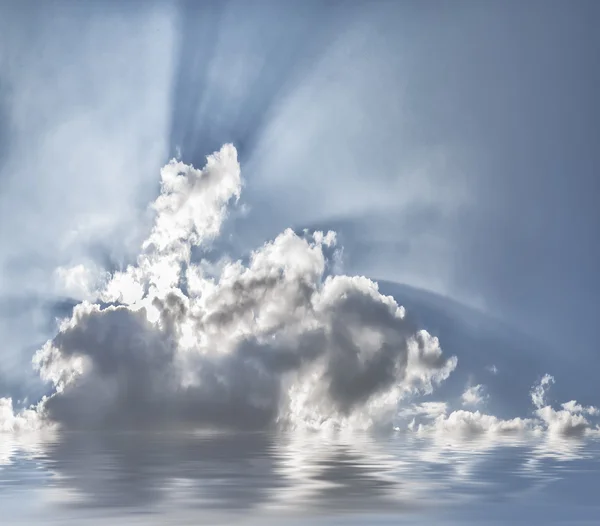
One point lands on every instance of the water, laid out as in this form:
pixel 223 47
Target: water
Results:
pixel 187 478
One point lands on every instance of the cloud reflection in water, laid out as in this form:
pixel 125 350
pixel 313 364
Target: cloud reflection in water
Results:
pixel 256 475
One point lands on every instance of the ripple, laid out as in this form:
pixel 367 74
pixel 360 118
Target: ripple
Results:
pixel 205 477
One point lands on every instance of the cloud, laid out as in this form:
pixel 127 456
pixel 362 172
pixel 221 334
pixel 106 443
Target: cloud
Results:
pixel 25 420
pixel 492 369
pixel 474 395
pixel 462 424
pixel 191 206
pixel 568 421
pixel 435 419
pixel 473 424
pixel 427 409
pixel 538 393
pixel 277 340
pixel 564 422
pixel 574 407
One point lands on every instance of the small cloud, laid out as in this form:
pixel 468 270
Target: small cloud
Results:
pixel 425 409
pixel 538 392
pixel 474 396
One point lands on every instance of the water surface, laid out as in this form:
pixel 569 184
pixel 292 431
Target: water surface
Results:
pixel 258 478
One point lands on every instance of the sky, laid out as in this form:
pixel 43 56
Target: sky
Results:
pixel 311 215
pixel 451 147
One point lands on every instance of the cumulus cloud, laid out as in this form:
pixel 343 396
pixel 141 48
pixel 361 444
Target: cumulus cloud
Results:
pixel 472 424
pixel 437 420
pixel 24 420
pixel 277 340
pixel 572 420
pixel 573 407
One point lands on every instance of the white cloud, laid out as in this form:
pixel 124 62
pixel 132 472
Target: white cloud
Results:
pixel 191 205
pixel 473 424
pixel 563 423
pixel 25 420
pixel 573 407
pixel 538 392
pixel 427 409
pixel 492 369
pixel 474 396
pixel 274 341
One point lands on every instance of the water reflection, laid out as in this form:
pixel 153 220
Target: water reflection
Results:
pixel 261 475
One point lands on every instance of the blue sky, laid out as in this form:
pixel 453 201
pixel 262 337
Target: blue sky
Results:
pixel 452 146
